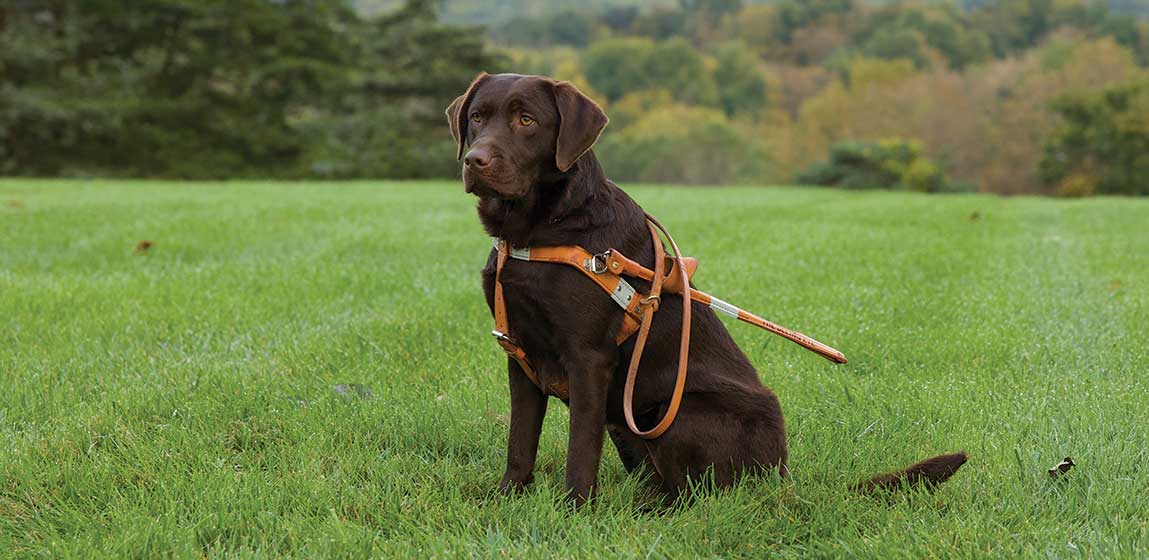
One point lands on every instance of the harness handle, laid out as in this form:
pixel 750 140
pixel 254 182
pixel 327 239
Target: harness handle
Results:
pixel 644 333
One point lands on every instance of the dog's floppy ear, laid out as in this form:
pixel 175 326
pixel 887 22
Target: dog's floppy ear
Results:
pixel 457 113
pixel 581 121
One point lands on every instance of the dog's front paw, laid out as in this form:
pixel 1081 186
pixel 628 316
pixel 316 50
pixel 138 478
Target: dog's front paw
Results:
pixel 578 496
pixel 512 485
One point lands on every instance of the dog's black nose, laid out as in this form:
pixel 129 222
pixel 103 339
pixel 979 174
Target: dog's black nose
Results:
pixel 478 157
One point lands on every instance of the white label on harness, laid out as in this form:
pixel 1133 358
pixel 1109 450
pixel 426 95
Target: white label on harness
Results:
pixel 723 307
pixel 520 254
pixel 623 293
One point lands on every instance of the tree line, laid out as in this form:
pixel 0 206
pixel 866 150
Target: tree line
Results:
pixel 1007 96
pixel 230 88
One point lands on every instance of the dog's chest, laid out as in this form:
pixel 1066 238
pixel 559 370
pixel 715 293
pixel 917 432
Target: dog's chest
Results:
pixel 535 295
pixel 551 308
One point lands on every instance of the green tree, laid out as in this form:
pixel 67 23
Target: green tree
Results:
pixel 660 23
pixel 886 164
pixel 1020 24
pixel 215 88
pixel 793 15
pixel 617 67
pixel 907 30
pixel 570 28
pixel 680 144
pixel 704 16
pixel 1015 25
pixel 677 67
pixel 741 83
pixel 388 121
pixel 1103 144
pixel 893 43
pixel 710 7
pixel 164 87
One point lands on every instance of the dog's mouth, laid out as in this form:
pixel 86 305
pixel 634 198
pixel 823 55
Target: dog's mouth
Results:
pixel 494 185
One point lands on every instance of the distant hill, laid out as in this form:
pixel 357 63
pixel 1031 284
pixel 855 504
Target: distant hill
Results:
pixel 486 12
pixel 1133 7
pixel 489 12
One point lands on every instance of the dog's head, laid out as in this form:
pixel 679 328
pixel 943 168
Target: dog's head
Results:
pixel 519 130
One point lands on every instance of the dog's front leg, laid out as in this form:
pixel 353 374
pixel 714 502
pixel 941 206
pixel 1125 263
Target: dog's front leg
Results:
pixel 588 392
pixel 528 407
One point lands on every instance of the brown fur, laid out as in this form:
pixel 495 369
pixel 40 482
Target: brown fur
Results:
pixel 538 184
pixel 931 472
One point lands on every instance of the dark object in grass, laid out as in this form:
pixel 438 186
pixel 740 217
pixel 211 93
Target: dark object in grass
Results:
pixel 143 246
pixel 929 473
pixel 348 390
pixel 975 216
pixel 15 204
pixel 1061 468
pixel 539 184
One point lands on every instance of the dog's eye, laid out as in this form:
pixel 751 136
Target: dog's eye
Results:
pixel 526 120
pixel 476 117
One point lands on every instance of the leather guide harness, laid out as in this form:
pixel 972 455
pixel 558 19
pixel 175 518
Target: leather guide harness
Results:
pixel 607 270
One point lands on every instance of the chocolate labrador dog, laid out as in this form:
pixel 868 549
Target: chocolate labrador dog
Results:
pixel 538 183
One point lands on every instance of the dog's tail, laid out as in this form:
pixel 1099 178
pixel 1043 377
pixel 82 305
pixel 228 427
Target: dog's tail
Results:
pixel 930 472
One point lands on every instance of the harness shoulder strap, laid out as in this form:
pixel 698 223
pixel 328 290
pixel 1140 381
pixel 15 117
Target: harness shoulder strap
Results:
pixel 594 267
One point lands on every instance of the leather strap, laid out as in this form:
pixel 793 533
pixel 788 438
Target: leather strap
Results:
pixel 657 279
pixel 796 337
pixel 558 389
pixel 593 267
pixel 618 262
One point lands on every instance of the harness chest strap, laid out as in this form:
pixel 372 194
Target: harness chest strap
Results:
pixel 513 350
pixel 592 266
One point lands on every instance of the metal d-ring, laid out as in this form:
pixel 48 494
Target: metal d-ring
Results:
pixel 597 263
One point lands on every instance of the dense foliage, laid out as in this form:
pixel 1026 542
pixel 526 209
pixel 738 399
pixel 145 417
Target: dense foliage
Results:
pixel 1103 145
pixel 180 88
pixel 887 164
pixel 972 89
pixel 683 144
pixel 1001 95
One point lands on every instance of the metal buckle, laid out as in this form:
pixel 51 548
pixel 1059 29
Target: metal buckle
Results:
pixel 597 263
pixel 505 342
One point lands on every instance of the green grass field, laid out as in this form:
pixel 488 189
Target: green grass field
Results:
pixel 182 401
